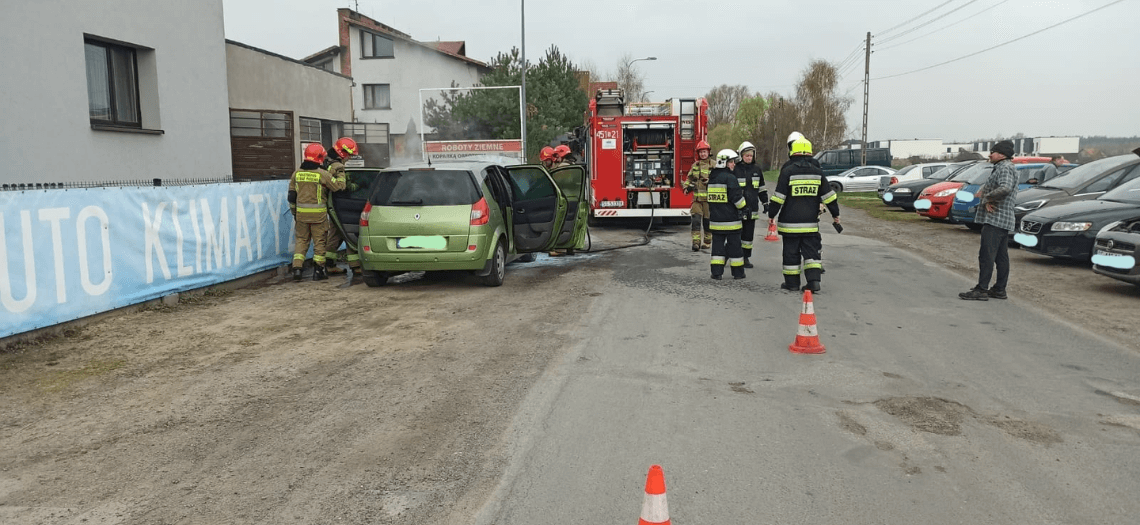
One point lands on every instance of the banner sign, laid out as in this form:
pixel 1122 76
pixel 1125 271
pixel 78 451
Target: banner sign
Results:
pixel 67 254
pixel 460 149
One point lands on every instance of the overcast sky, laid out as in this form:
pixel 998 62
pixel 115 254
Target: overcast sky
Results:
pixel 1079 78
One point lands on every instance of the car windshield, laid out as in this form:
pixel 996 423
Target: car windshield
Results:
pixel 1128 192
pixel 947 172
pixel 975 174
pixel 1084 173
pixel 424 188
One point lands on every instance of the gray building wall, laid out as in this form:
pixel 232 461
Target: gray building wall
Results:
pixel 264 81
pixel 182 83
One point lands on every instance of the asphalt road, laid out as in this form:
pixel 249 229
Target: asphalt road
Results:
pixel 925 408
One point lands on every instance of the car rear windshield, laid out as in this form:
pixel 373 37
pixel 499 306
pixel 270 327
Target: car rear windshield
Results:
pixel 906 170
pixel 947 172
pixel 1078 176
pixel 424 188
pixel 1128 192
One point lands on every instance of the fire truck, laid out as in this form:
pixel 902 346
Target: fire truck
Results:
pixel 638 154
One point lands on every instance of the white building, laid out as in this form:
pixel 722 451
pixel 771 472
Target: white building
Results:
pixel 108 91
pixel 389 68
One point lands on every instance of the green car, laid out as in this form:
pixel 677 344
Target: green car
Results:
pixel 459 216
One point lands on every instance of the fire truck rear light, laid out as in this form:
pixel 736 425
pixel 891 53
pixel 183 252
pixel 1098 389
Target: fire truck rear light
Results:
pixel 364 214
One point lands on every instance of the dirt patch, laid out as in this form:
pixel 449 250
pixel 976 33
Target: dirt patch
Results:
pixel 1026 430
pixel 739 388
pixel 927 414
pixel 1100 304
pixel 849 424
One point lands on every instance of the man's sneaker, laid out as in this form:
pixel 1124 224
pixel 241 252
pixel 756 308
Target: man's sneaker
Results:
pixel 975 294
pixel 994 293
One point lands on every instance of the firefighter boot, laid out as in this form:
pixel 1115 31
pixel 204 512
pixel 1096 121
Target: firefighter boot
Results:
pixel 747 263
pixel 813 286
pixel 332 269
pixel 708 241
pixel 297 274
pixel 319 273
pixel 791 283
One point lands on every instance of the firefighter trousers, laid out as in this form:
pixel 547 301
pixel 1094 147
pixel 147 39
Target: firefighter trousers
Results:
pixel 726 250
pixel 746 235
pixel 306 232
pixel 805 248
pixel 698 222
pixel 332 244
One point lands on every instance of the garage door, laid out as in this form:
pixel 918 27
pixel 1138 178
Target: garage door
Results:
pixel 262 144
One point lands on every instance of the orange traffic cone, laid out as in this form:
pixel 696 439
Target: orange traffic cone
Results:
pixel 771 233
pixel 807 337
pixel 655 509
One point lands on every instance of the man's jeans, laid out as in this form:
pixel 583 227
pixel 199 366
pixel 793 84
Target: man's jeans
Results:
pixel 994 249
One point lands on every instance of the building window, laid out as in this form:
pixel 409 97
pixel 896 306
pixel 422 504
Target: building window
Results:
pixel 310 130
pixel 367 133
pixel 262 124
pixel 112 84
pixel 375 46
pixel 377 96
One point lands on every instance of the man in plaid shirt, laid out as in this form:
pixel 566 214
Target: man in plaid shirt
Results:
pixel 995 214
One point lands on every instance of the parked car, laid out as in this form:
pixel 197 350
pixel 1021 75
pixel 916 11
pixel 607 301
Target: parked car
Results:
pixel 1069 230
pixel 859 178
pixel 1084 182
pixel 459 216
pixel 836 161
pixel 904 194
pixel 965 205
pixel 936 201
pixel 1116 250
pixel 909 173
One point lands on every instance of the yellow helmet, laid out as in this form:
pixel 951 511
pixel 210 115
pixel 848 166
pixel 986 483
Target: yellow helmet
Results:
pixel 801 146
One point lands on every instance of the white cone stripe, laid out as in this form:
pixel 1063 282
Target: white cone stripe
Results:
pixel 809 308
pixel 807 331
pixel 655 509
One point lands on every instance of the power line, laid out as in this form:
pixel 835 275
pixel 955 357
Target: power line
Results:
pixel 926 23
pixel 1086 13
pixel 971 17
pixel 851 59
pixel 915 18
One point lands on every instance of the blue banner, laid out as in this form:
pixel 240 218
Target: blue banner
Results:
pixel 67 254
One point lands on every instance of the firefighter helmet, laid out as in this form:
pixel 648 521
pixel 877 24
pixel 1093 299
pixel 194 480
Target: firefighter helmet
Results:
pixel 795 135
pixel 547 153
pixel 345 147
pixel 561 151
pixel 315 153
pixel 745 146
pixel 724 156
pixel 801 146
pixel 702 145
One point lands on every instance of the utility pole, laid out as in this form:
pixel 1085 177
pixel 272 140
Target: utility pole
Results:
pixel 523 95
pixel 866 94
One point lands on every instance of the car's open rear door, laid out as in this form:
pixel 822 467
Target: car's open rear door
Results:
pixel 538 209
pixel 349 203
pixel 574 185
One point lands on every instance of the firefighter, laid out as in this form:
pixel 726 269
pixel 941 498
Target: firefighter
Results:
pixel 342 149
pixel 560 156
pixel 308 193
pixel 727 208
pixel 751 179
pixel 801 189
pixel 546 155
pixel 697 183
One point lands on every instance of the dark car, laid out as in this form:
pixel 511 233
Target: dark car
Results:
pixel 1085 182
pixel 904 194
pixel 1116 251
pixel 1069 231
pixel 966 204
pixel 836 161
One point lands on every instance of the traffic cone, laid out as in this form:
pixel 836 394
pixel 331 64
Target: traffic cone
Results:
pixel 771 233
pixel 655 509
pixel 807 337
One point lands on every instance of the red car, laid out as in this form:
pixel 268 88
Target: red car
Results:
pixel 936 201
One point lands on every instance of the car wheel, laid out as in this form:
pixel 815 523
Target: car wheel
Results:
pixel 974 226
pixel 836 187
pixel 374 279
pixel 528 257
pixel 498 267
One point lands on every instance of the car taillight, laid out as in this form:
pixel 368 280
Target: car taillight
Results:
pixel 364 214
pixel 480 213
pixel 894 180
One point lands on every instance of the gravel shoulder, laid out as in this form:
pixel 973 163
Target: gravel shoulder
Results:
pixel 1067 290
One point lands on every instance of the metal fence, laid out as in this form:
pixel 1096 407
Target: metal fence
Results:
pixel 22 186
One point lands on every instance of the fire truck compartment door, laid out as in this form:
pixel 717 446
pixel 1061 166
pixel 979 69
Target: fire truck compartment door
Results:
pixel 538 209
pixel 573 182
pixel 348 203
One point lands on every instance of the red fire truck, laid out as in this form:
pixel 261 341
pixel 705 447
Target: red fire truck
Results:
pixel 638 154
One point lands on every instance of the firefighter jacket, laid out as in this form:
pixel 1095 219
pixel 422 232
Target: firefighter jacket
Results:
pixel 751 179
pixel 335 167
pixel 309 190
pixel 726 201
pixel 799 192
pixel 698 180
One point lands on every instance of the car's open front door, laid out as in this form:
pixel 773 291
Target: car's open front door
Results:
pixel 574 185
pixel 349 203
pixel 538 208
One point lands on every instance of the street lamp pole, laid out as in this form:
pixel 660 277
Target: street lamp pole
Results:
pixel 628 66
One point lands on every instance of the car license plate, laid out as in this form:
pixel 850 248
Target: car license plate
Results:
pixel 888 196
pixel 1109 254
pixel 433 242
pixel 1025 240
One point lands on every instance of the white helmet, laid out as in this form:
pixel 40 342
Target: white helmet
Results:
pixel 724 156
pixel 744 146
pixel 794 137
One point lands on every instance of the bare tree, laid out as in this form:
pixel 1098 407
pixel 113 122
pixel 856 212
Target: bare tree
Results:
pixel 629 79
pixel 724 101
pixel 821 106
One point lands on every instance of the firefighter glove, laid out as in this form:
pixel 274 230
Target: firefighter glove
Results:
pixel 292 197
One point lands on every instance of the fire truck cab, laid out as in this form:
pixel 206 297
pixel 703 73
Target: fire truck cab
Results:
pixel 638 154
